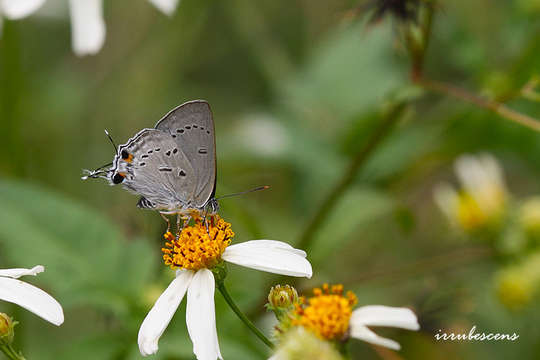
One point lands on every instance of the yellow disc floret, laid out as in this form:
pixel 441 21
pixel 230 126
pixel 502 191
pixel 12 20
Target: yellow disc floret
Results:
pixel 197 247
pixel 469 213
pixel 326 314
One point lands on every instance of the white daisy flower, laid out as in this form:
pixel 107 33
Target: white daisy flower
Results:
pixel 17 9
pixel 329 314
pixel 482 197
pixel 194 253
pixel 28 296
pixel 88 26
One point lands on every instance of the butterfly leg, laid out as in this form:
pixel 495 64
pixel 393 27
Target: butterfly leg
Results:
pixel 178 228
pixel 180 225
pixel 167 220
pixel 205 221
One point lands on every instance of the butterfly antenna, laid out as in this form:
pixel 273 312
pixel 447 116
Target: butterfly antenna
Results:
pixel 94 174
pixel 112 141
pixel 244 192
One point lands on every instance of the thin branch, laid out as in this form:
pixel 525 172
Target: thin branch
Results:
pixel 386 124
pixel 417 51
pixel 528 91
pixel 491 105
pixel 348 177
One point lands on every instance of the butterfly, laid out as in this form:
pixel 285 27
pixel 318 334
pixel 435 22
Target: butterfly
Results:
pixel 172 166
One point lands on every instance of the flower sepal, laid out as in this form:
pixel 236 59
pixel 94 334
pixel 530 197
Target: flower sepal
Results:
pixel 220 272
pixel 7 332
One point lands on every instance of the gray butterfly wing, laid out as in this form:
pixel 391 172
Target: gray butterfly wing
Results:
pixel 192 127
pixel 151 164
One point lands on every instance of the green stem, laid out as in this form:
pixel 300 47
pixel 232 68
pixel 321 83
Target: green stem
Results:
pixel 348 177
pixel 344 350
pixel 418 46
pixel 482 102
pixel 11 353
pixel 384 128
pixel 240 314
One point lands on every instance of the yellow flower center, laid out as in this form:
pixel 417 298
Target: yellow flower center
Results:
pixel 469 213
pixel 327 314
pixel 197 247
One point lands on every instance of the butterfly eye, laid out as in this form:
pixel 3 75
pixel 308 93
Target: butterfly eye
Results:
pixel 118 178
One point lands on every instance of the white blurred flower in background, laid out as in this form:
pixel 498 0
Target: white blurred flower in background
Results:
pixel 87 24
pixel 263 134
pixel 481 200
pixel 17 9
pixel 88 27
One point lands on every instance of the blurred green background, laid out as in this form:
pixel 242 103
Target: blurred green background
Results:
pixel 296 88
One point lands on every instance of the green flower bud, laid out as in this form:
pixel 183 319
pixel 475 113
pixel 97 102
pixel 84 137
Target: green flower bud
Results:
pixel 6 329
pixel 282 301
pixel 282 297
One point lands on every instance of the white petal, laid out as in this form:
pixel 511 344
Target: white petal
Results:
pixel 160 315
pixel 265 244
pixel 470 173
pixel 201 316
pixel 447 199
pixel 270 256
pixel 491 168
pixel 363 333
pixel 87 26
pixel 378 315
pixel 32 299
pixel 166 6
pixel 18 272
pixel 16 9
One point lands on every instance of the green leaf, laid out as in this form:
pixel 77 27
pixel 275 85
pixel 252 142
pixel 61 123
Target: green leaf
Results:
pixel 87 260
pixel 359 206
pixel 353 70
